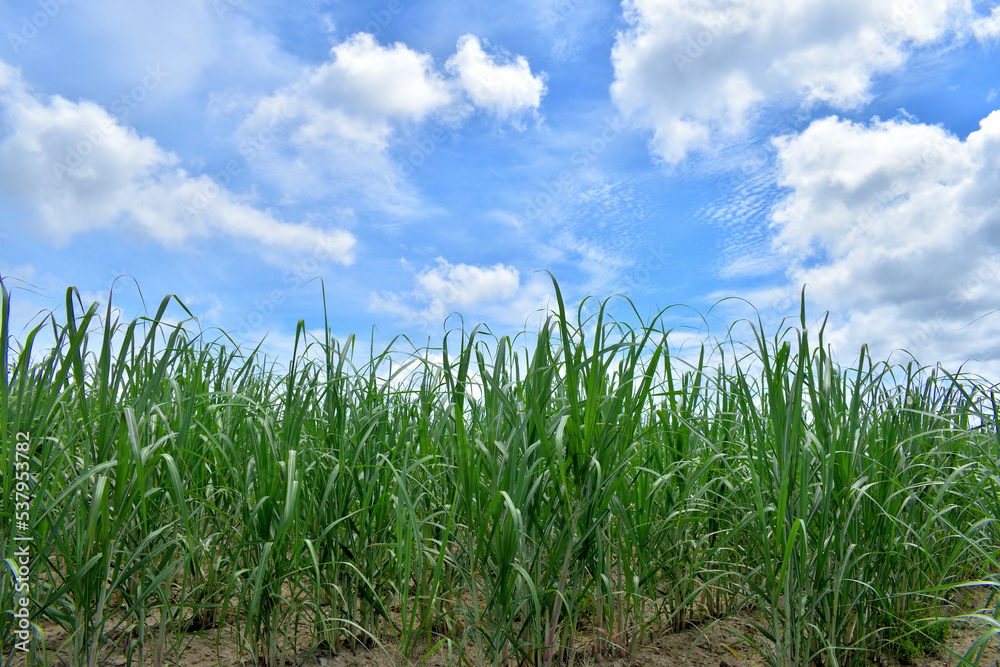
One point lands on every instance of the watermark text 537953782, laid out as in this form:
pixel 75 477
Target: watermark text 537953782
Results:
pixel 22 537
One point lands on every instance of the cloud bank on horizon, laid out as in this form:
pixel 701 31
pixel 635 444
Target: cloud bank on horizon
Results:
pixel 426 161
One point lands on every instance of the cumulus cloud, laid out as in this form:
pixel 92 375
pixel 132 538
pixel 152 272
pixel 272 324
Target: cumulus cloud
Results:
pixel 493 292
pixel 334 126
pixel 77 169
pixel 506 90
pixel 895 227
pixel 328 132
pixel 359 95
pixel 694 71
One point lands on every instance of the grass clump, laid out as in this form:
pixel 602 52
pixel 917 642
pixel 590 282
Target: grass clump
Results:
pixel 524 501
pixel 921 641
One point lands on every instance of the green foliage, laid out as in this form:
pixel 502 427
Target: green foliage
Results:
pixel 522 502
pixel 916 640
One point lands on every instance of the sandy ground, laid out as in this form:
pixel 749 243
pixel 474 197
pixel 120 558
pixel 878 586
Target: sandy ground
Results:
pixel 713 645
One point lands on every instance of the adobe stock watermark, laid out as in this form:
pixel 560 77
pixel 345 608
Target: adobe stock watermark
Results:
pixel 31 26
pixel 562 10
pixel 698 43
pixel 882 201
pixel 551 191
pixel 986 274
pixel 427 145
pixel 640 275
pixel 20 531
pixel 892 24
pixel 224 7
pixel 380 18
pixel 121 107
pixel 423 148
pixel 760 158
pixel 249 149
pixel 303 271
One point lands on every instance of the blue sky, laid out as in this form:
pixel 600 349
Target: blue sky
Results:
pixel 425 158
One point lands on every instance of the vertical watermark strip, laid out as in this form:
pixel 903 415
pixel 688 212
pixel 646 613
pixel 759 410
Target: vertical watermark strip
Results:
pixel 23 542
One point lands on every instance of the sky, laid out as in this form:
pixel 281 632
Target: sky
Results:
pixel 422 159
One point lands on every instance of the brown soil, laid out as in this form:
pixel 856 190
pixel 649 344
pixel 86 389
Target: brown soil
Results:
pixel 711 645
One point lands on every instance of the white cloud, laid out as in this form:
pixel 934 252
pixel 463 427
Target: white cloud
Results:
pixel 694 71
pixel 77 169
pixel 895 227
pixel 338 121
pixel 987 27
pixel 328 132
pixel 490 292
pixel 365 88
pixel 506 90
pixel 8 75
